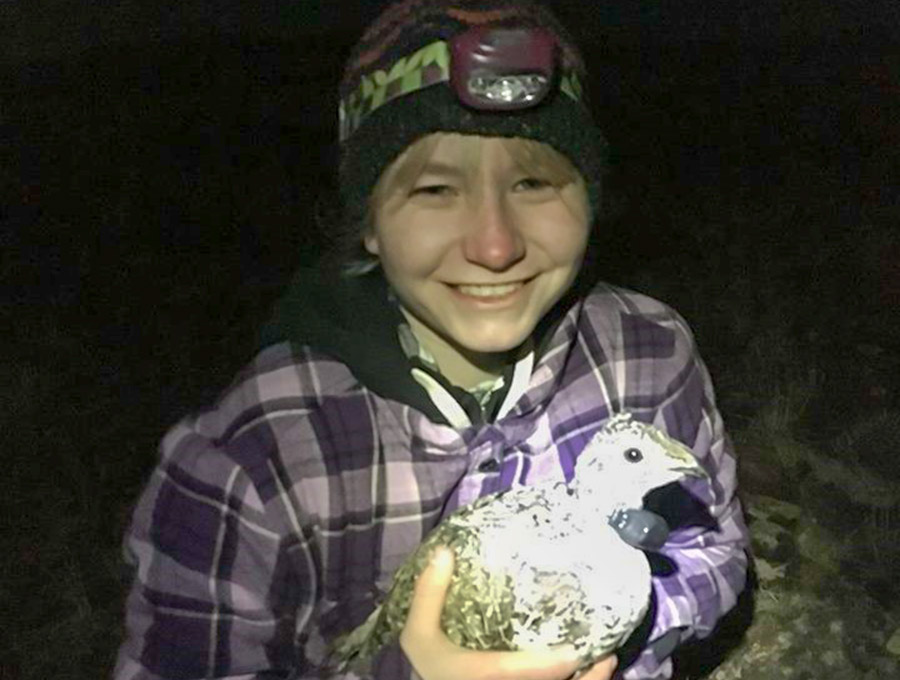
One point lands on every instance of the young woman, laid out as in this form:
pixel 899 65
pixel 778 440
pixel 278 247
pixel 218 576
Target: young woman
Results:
pixel 462 348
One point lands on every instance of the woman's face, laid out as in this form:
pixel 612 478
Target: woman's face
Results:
pixel 476 247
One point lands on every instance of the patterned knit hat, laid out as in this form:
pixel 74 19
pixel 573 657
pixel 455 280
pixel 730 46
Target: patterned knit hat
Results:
pixel 489 67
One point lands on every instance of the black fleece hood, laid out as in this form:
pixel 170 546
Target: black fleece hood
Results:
pixel 353 320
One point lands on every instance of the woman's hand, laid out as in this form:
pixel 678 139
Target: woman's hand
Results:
pixel 436 657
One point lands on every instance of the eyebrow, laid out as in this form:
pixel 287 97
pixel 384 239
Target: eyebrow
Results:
pixel 441 169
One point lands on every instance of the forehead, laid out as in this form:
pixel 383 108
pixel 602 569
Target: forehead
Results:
pixel 467 153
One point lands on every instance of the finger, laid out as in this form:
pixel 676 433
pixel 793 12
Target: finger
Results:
pixel 430 591
pixel 545 664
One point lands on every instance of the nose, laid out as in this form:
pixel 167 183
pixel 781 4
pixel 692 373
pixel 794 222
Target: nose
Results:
pixel 493 239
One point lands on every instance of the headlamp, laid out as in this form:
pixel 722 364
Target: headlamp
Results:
pixel 502 69
pixel 488 68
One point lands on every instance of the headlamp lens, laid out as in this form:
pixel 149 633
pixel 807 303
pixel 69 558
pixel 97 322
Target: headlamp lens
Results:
pixel 502 90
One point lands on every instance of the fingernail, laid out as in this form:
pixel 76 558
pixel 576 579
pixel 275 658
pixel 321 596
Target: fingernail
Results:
pixel 441 557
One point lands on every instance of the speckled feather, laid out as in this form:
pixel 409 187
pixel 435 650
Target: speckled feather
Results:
pixel 539 565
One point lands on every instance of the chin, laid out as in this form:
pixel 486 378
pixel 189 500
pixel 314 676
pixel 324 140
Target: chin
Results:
pixel 490 343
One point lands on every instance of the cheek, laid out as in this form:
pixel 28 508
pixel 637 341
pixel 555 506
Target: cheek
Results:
pixel 565 238
pixel 413 246
pixel 402 252
pixel 579 229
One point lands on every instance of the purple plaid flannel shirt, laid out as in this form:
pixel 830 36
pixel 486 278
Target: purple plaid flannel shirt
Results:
pixel 275 520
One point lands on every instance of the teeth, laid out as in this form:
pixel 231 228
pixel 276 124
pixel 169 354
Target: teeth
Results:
pixel 490 291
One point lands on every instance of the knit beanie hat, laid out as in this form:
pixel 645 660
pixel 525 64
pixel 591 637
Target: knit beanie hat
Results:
pixel 486 67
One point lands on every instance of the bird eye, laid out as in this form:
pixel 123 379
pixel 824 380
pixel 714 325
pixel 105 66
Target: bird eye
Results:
pixel 634 455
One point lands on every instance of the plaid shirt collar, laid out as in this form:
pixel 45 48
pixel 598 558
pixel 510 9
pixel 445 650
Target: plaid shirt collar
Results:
pixel 481 403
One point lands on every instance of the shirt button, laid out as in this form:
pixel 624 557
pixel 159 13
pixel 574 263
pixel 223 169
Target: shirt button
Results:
pixel 489 465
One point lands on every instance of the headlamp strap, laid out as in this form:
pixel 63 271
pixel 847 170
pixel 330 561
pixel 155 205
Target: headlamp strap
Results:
pixel 490 69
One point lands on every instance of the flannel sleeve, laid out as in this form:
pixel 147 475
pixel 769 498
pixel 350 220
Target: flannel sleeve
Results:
pixel 222 582
pixel 709 559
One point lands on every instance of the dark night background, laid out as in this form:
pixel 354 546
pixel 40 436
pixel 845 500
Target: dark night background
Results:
pixel 164 166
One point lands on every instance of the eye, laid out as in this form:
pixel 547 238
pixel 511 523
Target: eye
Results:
pixel 533 184
pixel 438 190
pixel 633 455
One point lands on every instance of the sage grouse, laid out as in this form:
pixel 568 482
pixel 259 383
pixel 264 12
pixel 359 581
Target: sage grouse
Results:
pixel 542 565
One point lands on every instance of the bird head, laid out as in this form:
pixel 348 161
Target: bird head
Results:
pixel 625 460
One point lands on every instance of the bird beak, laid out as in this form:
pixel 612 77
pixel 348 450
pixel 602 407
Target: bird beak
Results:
pixel 683 460
pixel 691 471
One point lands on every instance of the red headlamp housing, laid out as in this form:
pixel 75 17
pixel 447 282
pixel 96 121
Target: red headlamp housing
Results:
pixel 502 69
